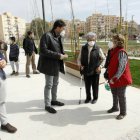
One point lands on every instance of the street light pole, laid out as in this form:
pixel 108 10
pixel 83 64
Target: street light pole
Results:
pixel 43 10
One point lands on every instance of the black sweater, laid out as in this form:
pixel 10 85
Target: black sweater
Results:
pixel 14 51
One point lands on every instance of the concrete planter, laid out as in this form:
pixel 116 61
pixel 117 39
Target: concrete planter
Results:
pixel 72 68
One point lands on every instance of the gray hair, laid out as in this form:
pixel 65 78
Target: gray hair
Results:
pixel 91 35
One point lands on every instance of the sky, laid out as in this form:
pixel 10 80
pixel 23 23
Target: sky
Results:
pixel 29 9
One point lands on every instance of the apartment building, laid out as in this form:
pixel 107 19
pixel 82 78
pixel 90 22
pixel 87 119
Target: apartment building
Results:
pixel 11 26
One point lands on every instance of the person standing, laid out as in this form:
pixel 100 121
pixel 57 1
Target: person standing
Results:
pixel 3 116
pixel 90 61
pixel 119 75
pixel 51 63
pixel 3 49
pixel 110 46
pixel 30 51
pixel 14 56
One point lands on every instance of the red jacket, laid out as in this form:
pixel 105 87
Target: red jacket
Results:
pixel 126 78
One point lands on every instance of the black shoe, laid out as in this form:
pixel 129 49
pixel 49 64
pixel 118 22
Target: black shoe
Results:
pixel 28 76
pixel 120 116
pixel 36 72
pixel 13 73
pixel 112 110
pixel 56 103
pixel 94 101
pixel 87 101
pixel 50 109
pixel 9 128
pixel 17 73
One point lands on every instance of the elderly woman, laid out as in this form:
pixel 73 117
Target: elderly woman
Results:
pixel 90 61
pixel 119 75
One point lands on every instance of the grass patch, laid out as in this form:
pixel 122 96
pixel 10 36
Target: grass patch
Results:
pixel 135 71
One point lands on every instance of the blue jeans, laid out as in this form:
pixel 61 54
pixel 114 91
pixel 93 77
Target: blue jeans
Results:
pixel 51 84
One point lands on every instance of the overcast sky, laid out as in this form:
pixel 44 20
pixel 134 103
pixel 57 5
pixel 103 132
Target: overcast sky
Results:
pixel 28 9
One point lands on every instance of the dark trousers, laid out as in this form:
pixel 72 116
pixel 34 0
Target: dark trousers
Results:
pixel 92 81
pixel 119 97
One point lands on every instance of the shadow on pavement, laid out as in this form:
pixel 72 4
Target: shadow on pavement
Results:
pixel 71 79
pixel 33 106
pixel 20 107
pixel 79 116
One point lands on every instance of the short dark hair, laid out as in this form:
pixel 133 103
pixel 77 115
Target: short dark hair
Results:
pixel 29 33
pixel 59 23
pixel 13 38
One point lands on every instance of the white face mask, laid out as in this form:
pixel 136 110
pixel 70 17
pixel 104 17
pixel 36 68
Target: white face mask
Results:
pixel 9 42
pixel 62 34
pixel 91 43
pixel 110 45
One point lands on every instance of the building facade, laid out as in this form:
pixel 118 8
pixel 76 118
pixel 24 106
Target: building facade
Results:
pixel 11 26
pixel 79 27
pixel 102 24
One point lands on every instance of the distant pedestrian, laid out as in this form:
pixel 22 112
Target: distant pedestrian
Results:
pixel 119 75
pixel 14 56
pixel 3 49
pixel 30 51
pixel 3 115
pixel 90 60
pixel 51 63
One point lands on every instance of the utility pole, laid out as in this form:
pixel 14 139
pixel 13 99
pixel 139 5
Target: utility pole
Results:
pixel 132 26
pixel 44 20
pixel 120 26
pixel 74 28
pixel 126 35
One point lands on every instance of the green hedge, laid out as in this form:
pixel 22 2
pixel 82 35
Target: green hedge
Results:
pixel 135 71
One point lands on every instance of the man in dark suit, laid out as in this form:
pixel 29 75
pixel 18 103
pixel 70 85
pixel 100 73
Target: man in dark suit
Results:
pixel 51 63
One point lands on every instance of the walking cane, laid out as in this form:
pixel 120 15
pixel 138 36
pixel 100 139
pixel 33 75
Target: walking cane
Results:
pixel 80 88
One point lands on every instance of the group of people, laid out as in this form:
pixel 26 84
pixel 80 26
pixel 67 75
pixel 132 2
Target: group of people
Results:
pixel 117 71
pixel 51 62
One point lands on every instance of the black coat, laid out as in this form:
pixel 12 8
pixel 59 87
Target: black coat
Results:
pixel 107 64
pixel 29 46
pixel 50 50
pixel 94 61
pixel 14 51
pixel 107 59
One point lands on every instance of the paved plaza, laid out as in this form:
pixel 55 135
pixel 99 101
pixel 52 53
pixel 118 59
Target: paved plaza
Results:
pixel 25 107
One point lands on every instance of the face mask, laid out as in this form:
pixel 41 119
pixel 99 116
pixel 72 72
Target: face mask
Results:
pixel 9 42
pixel 91 43
pixel 110 45
pixel 62 34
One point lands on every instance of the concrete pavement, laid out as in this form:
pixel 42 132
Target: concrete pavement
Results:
pixel 25 107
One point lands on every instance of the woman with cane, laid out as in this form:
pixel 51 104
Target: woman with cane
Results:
pixel 90 61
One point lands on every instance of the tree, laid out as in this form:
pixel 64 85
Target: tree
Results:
pixel 37 27
pixel 132 32
pixel 115 30
pixel 81 34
